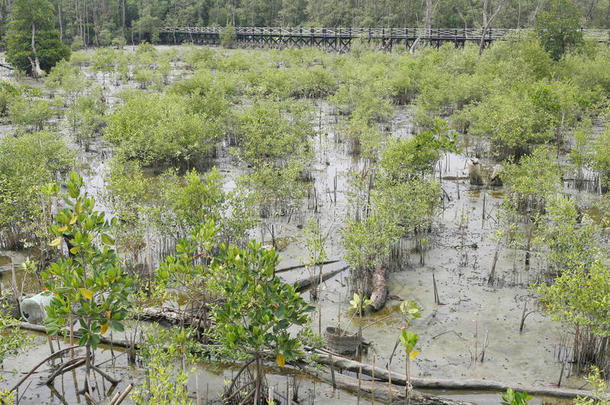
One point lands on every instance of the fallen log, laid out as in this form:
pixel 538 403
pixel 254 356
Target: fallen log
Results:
pixel 307 283
pixel 381 392
pixel 381 374
pixel 380 290
pixel 66 334
pixel 300 266
pixel 343 363
pixel 172 316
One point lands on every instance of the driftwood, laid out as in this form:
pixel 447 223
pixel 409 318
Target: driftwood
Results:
pixel 166 315
pixel 474 172
pixel 381 374
pixel 66 333
pixel 343 363
pixel 380 290
pixel 119 397
pixel 306 284
pixel 300 266
pixel 381 392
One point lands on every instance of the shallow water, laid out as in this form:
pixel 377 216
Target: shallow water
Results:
pixel 452 334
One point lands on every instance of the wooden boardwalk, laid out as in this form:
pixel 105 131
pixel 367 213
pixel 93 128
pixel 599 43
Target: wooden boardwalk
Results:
pixel 339 39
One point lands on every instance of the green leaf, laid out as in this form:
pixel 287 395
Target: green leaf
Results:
pixel 107 239
pixel 116 325
pixel 94 341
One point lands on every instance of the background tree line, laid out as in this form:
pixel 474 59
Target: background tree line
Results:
pixel 99 22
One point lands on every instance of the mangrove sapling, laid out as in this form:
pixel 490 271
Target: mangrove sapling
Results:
pixel 410 311
pixel 195 199
pixel 364 138
pixel 86 117
pixel 600 159
pixel 601 393
pixel 356 304
pixel 579 152
pixel 159 130
pixel 28 162
pixel 67 78
pixel 104 62
pixel 7 92
pixel 511 397
pixel 13 342
pixel 530 183
pixel 409 340
pixel 579 295
pixel 132 197
pixel 275 192
pixel 187 272
pixel 30 111
pixel 166 382
pixel 367 244
pixel 256 310
pixel 90 285
pixel 315 243
pixel 512 122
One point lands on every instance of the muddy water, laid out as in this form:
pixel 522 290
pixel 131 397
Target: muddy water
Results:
pixel 472 317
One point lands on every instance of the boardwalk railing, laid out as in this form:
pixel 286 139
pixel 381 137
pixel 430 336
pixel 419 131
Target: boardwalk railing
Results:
pixel 340 38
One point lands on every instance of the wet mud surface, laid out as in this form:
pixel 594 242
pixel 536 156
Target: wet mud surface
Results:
pixel 473 317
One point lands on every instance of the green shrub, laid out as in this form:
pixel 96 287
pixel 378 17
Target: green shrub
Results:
pixel 119 42
pixel 30 111
pixel 512 122
pixel 160 129
pixel 228 37
pixel 7 92
pixel 77 43
pixel 275 132
pixel 558 27
pixel 28 162
pixel 86 117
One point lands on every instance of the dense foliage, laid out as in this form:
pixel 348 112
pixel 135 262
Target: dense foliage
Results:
pixel 195 151
pixel 28 163
pixel 90 285
pixel 32 36
pixel 160 130
pixel 112 22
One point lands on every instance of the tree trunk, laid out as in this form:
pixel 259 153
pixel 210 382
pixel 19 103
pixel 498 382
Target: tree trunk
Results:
pixel 381 391
pixel 398 379
pixel 380 289
pixel 430 8
pixel 59 18
pixel 487 23
pixel 123 18
pixel 36 71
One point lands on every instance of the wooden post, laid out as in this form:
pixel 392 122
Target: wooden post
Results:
pixel 389 382
pixel 373 381
pixel 339 317
pixel 332 370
